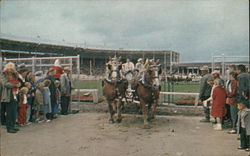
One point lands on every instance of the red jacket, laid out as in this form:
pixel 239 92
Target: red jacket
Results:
pixel 219 102
pixel 231 96
pixel 59 71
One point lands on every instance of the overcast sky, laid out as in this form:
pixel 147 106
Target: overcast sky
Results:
pixel 195 28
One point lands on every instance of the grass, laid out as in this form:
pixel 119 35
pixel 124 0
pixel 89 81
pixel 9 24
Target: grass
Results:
pixel 177 87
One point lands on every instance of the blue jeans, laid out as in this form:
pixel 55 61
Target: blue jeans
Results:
pixel 55 109
pixel 234 115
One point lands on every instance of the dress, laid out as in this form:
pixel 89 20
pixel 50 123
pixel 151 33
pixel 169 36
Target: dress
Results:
pixel 219 102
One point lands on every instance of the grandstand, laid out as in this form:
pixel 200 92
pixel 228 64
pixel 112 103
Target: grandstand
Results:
pixel 90 58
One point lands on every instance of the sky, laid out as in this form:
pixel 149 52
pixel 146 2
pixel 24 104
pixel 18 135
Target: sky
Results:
pixel 197 29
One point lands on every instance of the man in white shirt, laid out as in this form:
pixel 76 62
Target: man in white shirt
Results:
pixel 128 66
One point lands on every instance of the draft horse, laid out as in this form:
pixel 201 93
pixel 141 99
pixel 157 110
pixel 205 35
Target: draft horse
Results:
pixel 114 88
pixel 148 91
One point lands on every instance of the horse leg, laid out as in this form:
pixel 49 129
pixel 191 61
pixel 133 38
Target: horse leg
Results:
pixel 119 109
pixel 111 111
pixel 145 115
pixel 149 112
pixel 154 108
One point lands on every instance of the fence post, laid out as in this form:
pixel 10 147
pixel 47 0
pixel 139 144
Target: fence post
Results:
pixel 78 77
pixel 33 65
pixel 169 91
pixel 196 100
pixel 172 90
pixel 223 66
pixel 1 62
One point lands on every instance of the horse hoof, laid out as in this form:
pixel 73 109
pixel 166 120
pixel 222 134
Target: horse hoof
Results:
pixel 111 121
pixel 146 127
pixel 119 120
pixel 149 118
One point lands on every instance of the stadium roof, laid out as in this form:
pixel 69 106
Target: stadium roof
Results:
pixel 23 46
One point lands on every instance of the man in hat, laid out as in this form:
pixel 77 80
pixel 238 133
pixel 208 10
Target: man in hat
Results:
pixel 139 65
pixel 205 91
pixel 65 90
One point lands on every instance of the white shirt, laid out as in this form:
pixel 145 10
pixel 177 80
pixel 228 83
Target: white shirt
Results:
pixel 128 66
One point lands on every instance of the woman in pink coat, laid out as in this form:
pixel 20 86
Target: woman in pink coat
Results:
pixel 218 103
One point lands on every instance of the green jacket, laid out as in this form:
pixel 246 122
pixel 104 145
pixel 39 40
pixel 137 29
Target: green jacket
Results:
pixel 6 89
pixel 205 89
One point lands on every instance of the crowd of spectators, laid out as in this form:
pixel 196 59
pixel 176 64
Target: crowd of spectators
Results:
pixel 227 102
pixel 28 97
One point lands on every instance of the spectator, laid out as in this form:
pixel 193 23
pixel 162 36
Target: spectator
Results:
pixel 58 69
pixel 8 98
pixel 216 75
pixel 39 103
pixel 205 90
pixel 210 82
pixel 66 88
pixel 52 88
pixel 2 109
pixel 58 95
pixel 243 85
pixel 226 118
pixel 22 106
pixel 231 88
pixel 31 79
pixel 243 126
pixel 22 75
pixel 231 68
pixel 30 96
pixel 218 103
pixel 39 76
pixel 47 108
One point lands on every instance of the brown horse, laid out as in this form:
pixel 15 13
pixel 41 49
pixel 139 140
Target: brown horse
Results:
pixel 149 91
pixel 114 89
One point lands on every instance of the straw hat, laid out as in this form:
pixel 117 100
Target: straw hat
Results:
pixel 140 59
pixel 204 68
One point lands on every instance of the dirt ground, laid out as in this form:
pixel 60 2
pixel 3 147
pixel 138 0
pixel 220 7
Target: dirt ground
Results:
pixel 89 134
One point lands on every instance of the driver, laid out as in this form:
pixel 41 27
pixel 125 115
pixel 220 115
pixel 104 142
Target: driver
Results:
pixel 128 66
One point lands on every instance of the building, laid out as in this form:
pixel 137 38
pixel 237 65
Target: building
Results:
pixel 92 60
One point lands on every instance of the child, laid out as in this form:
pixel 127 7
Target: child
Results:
pixel 22 106
pixel 243 126
pixel 218 103
pixel 29 101
pixel 32 91
pixel 58 95
pixel 46 99
pixel 38 101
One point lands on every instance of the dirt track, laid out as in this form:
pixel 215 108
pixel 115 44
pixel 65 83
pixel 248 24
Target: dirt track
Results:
pixel 89 134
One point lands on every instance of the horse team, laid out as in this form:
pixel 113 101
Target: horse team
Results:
pixel 146 85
